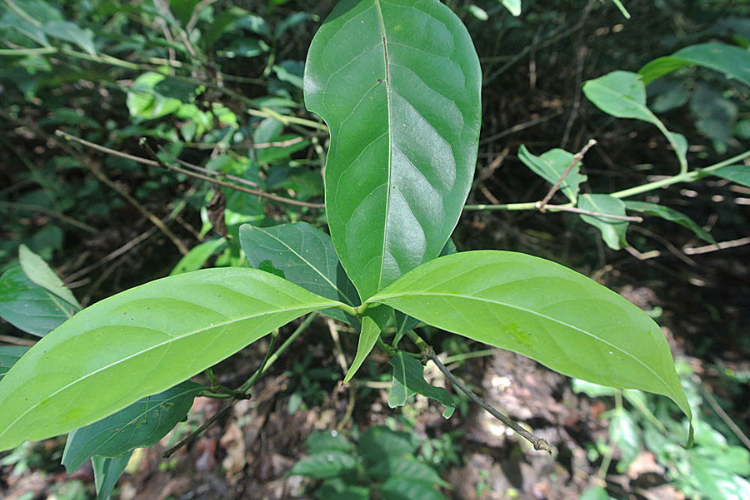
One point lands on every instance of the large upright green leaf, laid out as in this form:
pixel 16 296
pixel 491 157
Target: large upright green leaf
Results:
pixel 733 61
pixel 306 256
pixel 623 95
pixel 398 82
pixel 542 310
pixel 140 342
pixel 139 425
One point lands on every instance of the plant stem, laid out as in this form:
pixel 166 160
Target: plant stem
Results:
pixel 429 353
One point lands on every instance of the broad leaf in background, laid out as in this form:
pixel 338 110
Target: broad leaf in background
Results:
pixel 595 493
pixel 381 443
pixel 544 311
pixel 305 255
pixel 551 165
pixel 141 342
pixel 9 355
pixel 139 425
pixel 408 379
pixel 28 306
pixel 714 115
pixel 623 95
pixel 70 32
pixel 739 174
pixel 106 473
pixel 514 6
pixel 373 322
pixel 405 488
pixel 671 215
pixel 733 61
pixel 327 464
pixel 198 256
pixel 613 230
pixel 399 85
pixel 41 274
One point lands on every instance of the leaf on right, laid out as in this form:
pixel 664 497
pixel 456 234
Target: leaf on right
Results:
pixel 670 215
pixel 542 310
pixel 551 166
pixel 733 61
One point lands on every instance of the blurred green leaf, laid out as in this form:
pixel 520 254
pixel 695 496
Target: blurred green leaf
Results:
pixel 613 230
pixel 320 442
pixel 373 321
pixel 671 215
pixel 9 354
pixel 624 434
pixel 381 443
pixel 327 464
pixel 714 115
pixel 739 174
pixel 733 61
pixel 514 6
pixel 106 473
pixel 403 488
pixel 70 32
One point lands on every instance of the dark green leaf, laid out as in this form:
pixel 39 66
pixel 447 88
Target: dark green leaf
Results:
pixel 666 95
pixel 9 355
pixel 222 23
pixel 714 116
pixel 29 307
pixel 106 473
pixel 327 464
pixel 306 256
pixel 671 215
pixel 139 425
pixel 373 322
pixel 399 85
pixel 70 32
pixel 380 443
pixel 408 378
pixel 551 166
pixel 542 310
pixel 739 174
pixel 141 342
pixel 402 488
pixel 595 493
pixel 733 61
pixel 613 230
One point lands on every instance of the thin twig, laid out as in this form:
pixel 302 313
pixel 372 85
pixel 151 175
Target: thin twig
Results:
pixel 563 208
pixel 726 418
pixel 429 353
pixel 153 163
pixel 522 126
pixel 338 351
pixel 50 213
pixel 16 341
pixel 576 159
pixel 209 172
pixel 719 246
pixel 537 442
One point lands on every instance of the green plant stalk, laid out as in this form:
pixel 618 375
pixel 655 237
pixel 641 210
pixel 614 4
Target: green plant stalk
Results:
pixel 625 193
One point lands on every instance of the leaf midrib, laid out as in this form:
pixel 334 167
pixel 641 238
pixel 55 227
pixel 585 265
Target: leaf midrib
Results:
pixel 166 342
pixel 381 298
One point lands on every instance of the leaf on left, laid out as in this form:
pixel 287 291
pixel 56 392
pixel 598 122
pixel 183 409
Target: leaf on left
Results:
pixel 141 342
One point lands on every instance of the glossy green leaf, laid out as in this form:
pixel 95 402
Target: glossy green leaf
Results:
pixel 70 32
pixel 613 230
pixel 671 215
pixel 623 95
pixel 139 425
pixel 106 473
pixel 398 83
pixel 514 6
pixel 306 256
pixel 198 256
pixel 739 174
pixel 544 311
pixel 404 488
pixel 733 61
pixel 551 166
pixel 373 322
pixel 141 342
pixel 328 464
pixel 28 306
pixel 9 355
pixel 40 273
pixel 408 379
